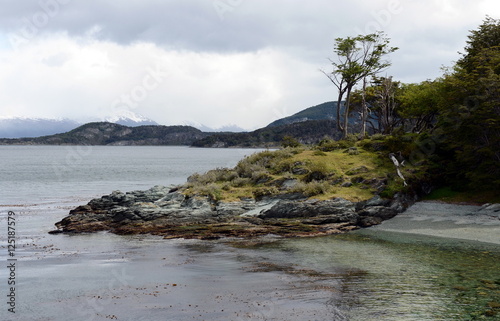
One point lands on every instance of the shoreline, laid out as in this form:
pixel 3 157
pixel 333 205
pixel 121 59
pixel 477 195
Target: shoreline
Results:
pixel 169 213
pixel 448 220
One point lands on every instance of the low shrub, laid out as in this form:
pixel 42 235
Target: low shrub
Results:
pixel 246 169
pixel 213 191
pixel 312 188
pixel 351 138
pixel 260 177
pixel 223 174
pixel 261 161
pixel 377 136
pixel 289 141
pixel 352 151
pixel 316 171
pixel 327 145
pixel 346 143
pixel 265 191
pixel 214 175
pixel 240 182
pixel 284 166
pixel 319 153
pixel 295 150
pixel 404 144
pixel 366 144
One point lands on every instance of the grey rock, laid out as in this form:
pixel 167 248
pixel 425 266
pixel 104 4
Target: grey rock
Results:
pixel 162 206
pixel 369 221
pixel 357 170
pixel 299 171
pixel 229 209
pixel 174 198
pixel 291 196
pixel 490 207
pixel 374 201
pixel 289 183
pixel 401 202
pixel 377 201
pixel 338 181
pixel 357 180
pixel 259 208
pixel 342 210
pixel 382 212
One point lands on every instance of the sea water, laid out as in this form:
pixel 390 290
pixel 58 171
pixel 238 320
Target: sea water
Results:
pixel 371 274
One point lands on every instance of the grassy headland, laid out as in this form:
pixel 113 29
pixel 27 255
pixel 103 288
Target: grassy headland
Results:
pixel 351 169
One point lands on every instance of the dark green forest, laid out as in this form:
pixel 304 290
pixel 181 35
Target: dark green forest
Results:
pixel 452 122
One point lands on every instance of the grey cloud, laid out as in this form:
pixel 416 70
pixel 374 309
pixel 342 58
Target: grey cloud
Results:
pixel 192 25
pixel 305 30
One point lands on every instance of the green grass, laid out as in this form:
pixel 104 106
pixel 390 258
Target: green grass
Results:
pixel 442 194
pixel 447 194
pixel 319 174
pixel 321 171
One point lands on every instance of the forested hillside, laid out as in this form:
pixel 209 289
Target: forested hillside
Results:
pixel 453 121
pixel 306 132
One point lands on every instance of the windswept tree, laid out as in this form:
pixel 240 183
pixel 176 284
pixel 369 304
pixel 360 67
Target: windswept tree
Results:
pixel 383 97
pixel 358 58
pixel 387 103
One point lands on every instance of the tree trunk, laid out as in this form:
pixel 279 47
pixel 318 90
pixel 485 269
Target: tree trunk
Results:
pixel 339 102
pixel 364 109
pixel 346 112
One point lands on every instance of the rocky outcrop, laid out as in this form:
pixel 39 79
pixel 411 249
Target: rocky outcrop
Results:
pixel 166 211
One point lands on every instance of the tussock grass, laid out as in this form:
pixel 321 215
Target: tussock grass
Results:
pixel 319 172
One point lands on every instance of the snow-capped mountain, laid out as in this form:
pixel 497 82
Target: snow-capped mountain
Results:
pixel 34 127
pixel 129 118
pixel 20 127
pixel 227 128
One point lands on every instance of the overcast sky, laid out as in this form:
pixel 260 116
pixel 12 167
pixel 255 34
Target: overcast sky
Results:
pixel 210 62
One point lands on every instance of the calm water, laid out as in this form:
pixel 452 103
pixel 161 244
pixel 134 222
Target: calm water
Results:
pixel 367 275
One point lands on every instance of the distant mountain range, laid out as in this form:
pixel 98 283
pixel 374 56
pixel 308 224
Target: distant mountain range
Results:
pixel 33 127
pixel 307 126
pixel 131 122
pixel 227 128
pixel 105 133
pixel 36 127
pixel 310 131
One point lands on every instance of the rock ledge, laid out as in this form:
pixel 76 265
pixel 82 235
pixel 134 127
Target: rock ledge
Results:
pixel 165 211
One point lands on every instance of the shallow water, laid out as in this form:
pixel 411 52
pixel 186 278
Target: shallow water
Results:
pixel 396 276
pixel 371 274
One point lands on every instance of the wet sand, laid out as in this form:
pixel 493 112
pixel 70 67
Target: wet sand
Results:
pixel 465 222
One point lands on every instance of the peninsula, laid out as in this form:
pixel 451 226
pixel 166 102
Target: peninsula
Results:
pixel 296 191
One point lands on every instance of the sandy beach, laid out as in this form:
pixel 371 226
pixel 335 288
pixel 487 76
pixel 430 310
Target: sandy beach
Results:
pixel 466 222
